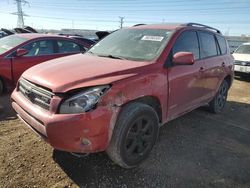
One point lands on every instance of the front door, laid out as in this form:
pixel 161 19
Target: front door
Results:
pixel 186 87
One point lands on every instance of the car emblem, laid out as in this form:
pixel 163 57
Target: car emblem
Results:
pixel 27 92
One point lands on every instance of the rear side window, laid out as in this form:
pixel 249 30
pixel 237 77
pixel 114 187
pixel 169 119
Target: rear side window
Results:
pixel 208 45
pixel 187 42
pixel 67 47
pixel 222 44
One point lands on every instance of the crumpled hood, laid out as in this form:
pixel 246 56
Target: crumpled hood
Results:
pixel 241 57
pixel 76 71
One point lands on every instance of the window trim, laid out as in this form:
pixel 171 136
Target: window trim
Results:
pixel 218 49
pixel 199 43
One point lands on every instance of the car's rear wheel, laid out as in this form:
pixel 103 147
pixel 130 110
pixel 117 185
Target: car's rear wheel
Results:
pixel 134 135
pixel 219 101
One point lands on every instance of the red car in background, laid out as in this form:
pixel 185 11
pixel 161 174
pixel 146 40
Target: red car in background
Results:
pixel 21 51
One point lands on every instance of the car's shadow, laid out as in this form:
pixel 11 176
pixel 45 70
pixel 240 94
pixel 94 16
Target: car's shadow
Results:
pixel 199 149
pixel 6 111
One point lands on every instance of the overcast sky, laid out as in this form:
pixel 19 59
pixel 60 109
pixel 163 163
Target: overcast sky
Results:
pixel 229 16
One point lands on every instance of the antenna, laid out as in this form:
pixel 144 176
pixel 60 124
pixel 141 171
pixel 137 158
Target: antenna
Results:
pixel 20 13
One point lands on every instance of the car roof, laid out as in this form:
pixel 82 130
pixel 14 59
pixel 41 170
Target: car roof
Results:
pixel 38 35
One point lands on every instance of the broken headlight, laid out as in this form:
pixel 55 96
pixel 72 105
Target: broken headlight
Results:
pixel 83 101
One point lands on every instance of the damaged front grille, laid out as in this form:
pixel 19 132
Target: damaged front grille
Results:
pixel 37 95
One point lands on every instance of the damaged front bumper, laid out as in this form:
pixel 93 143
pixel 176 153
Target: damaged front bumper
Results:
pixel 83 133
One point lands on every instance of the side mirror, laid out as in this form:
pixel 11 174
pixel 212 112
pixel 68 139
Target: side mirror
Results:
pixel 183 58
pixel 21 52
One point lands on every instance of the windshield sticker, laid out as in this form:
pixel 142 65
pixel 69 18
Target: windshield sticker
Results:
pixel 152 38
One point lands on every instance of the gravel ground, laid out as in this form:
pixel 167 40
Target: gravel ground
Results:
pixel 199 149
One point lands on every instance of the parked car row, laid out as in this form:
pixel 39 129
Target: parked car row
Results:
pixel 115 96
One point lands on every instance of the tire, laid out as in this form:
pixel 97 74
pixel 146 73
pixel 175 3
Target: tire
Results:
pixel 1 87
pixel 134 135
pixel 219 101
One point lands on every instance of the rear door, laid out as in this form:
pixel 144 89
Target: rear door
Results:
pixel 214 63
pixel 185 81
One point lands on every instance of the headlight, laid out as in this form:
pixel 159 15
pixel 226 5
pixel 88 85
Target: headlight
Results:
pixel 83 101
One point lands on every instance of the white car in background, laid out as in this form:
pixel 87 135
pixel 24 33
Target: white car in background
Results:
pixel 242 59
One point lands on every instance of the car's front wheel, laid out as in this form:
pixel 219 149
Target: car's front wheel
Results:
pixel 134 135
pixel 220 99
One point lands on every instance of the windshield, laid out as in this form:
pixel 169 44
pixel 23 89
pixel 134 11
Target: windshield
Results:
pixel 10 42
pixel 244 49
pixel 132 44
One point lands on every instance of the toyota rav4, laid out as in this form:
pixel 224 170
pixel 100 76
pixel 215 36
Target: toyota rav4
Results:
pixel 115 97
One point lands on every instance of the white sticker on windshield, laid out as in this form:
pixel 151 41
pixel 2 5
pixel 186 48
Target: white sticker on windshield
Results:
pixel 152 38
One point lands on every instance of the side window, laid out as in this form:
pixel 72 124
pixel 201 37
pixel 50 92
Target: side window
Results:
pixel 208 45
pixel 43 47
pixel 187 42
pixel 222 44
pixel 67 47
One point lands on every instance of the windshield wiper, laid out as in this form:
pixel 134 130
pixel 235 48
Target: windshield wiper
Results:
pixel 111 56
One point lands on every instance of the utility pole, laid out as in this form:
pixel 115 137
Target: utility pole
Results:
pixel 20 13
pixel 121 21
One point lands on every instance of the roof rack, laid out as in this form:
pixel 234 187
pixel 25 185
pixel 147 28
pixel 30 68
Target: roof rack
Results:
pixel 203 26
pixel 138 25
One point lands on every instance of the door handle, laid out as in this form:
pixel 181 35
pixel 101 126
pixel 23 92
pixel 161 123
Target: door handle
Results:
pixel 202 69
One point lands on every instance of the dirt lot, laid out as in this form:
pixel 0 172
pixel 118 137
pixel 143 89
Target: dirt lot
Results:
pixel 197 150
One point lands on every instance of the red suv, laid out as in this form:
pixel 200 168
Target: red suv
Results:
pixel 115 97
pixel 21 51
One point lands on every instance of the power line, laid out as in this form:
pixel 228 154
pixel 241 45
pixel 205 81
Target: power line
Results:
pixel 136 9
pixel 137 20
pixel 145 4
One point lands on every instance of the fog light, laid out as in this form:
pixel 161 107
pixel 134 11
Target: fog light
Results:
pixel 85 142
